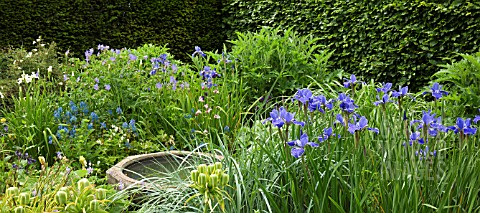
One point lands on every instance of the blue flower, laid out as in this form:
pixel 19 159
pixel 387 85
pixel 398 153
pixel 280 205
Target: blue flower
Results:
pixel 94 116
pixel 437 91
pixel 303 95
pixel 339 119
pixel 463 126
pixel 360 125
pixel 90 126
pixel 346 103
pixel 327 133
pixel 119 110
pixel 50 139
pixel 73 119
pixel 477 118
pixel 415 137
pixel 429 122
pixel 350 81
pixel 385 99
pixel 320 103
pixel 84 107
pixel 401 92
pixel 125 125
pixel 298 145
pixel 198 51
pixel 103 125
pixel 226 129
pixel 385 87
pixel 279 118
pixel 132 57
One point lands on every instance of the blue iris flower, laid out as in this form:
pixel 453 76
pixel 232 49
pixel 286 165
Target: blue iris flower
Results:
pixel 431 123
pixel 385 100
pixel 477 118
pixel 198 51
pixel 327 133
pixel 360 125
pixel 303 95
pixel 298 145
pixel 415 137
pixel 463 126
pixel 281 117
pixel 437 91
pixel 403 91
pixel 346 103
pixel 385 87
pixel 349 82
pixel 320 103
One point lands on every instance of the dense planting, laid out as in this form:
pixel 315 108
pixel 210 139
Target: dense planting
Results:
pixel 312 142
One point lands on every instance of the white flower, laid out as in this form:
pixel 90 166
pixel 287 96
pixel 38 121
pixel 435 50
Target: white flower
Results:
pixel 39 38
pixel 42 45
pixel 29 54
pixel 34 50
pixel 34 42
pixel 21 61
pixel 50 68
pixel 1 95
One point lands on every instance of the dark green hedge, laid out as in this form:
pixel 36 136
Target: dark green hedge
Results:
pixel 389 40
pixel 82 24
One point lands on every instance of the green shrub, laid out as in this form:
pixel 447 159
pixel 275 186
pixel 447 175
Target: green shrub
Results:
pixel 279 61
pixel 463 79
pixel 394 41
pixel 132 23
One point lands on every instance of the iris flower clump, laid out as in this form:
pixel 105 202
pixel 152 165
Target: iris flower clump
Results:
pixel 299 145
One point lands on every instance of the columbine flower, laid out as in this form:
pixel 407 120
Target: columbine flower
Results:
pixel 298 145
pixel 216 116
pixel 198 51
pixel 360 125
pixel 200 99
pixel 59 155
pixel 198 112
pixel 350 82
pixel 303 95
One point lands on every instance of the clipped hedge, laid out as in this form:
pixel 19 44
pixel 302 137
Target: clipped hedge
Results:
pixel 389 40
pixel 80 24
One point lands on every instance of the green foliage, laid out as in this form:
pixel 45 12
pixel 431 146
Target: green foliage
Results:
pixel 278 61
pixel 389 41
pixel 463 80
pixel 15 63
pixel 71 191
pixel 180 23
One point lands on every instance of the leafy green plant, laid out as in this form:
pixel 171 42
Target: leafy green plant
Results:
pixel 463 79
pixel 59 188
pixel 278 61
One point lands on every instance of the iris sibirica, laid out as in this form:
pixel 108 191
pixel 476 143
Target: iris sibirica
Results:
pixel 385 99
pixel 346 103
pixel 327 133
pixel 350 82
pixel 281 117
pixel 463 127
pixel 198 51
pixel 303 95
pixel 430 124
pixel 385 88
pixel 437 91
pixel 320 103
pixel 360 125
pixel 299 145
